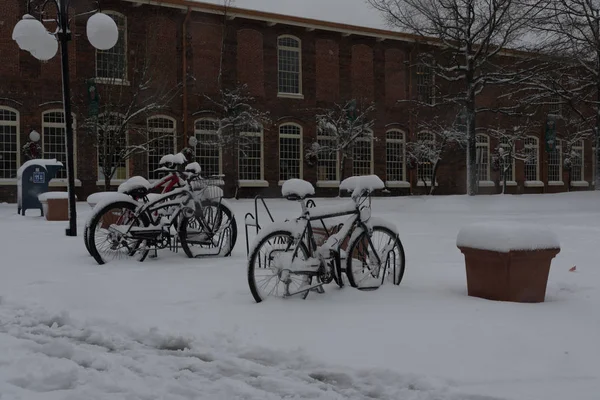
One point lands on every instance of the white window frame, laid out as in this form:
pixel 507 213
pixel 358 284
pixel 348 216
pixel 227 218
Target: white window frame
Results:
pixel 198 132
pixel 395 141
pixel 558 182
pixel 532 142
pixel 368 140
pixel 60 182
pixel 421 72
pixel 152 131
pixel 300 144
pixel 298 49
pixel 419 180
pixel 484 146
pixel 115 81
pixel 13 181
pixel 580 182
pixel 254 182
pixel 98 169
pixel 328 183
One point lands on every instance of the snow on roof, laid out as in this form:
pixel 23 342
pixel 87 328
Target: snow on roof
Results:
pixel 350 12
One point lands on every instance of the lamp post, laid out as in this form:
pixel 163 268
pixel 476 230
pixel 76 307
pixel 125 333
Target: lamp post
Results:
pixel 31 35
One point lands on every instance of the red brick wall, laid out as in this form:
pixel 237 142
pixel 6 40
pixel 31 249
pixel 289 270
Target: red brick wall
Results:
pixel 327 70
pixel 362 72
pixel 250 60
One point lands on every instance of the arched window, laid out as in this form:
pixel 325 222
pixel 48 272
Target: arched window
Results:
pixel 426 141
pixel 9 143
pixel 362 156
pixel 208 151
pixel 483 157
pixel 577 161
pixel 112 142
pixel 532 148
pixel 289 55
pixel 111 64
pixel 53 140
pixel 555 164
pixel 161 141
pixel 250 158
pixel 395 156
pixel 290 152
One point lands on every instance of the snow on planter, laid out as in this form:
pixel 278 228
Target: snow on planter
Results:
pixel 55 205
pixel 358 184
pixel 507 236
pixel 53 195
pixel 508 261
pixel 297 187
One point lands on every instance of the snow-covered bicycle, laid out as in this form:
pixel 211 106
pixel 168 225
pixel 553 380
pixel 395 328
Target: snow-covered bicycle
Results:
pixel 285 258
pixel 195 215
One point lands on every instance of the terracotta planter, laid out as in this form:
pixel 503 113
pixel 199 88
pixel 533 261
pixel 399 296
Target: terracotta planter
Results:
pixel 56 209
pixel 517 276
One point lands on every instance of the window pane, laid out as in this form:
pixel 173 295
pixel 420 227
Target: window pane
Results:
pixel 54 144
pixel 289 65
pixel 250 159
pixel 207 151
pixel 395 156
pixel 328 161
pixel 289 152
pixel 161 134
pixel 8 144
pixel 112 63
pixel 361 155
pixel 483 158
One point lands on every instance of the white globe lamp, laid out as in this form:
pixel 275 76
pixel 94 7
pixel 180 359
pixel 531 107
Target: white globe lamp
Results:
pixel 45 48
pixel 102 31
pixel 34 136
pixel 28 32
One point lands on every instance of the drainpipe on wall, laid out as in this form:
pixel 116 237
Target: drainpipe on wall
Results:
pixel 184 76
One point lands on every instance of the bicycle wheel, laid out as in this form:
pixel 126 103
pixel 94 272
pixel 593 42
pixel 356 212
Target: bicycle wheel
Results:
pixel 269 263
pixel 361 264
pixel 212 232
pixel 105 241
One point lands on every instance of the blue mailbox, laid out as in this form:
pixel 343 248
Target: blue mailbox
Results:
pixel 32 180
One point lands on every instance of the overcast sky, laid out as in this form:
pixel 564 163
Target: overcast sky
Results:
pixel 353 12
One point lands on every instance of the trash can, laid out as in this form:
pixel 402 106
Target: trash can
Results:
pixel 32 180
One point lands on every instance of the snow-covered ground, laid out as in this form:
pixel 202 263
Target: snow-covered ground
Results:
pixel 174 328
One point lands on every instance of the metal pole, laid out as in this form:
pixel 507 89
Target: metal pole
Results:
pixel 597 133
pixel 64 36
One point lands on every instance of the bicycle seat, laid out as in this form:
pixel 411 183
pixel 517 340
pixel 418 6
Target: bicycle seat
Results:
pixel 177 159
pixel 135 186
pixel 297 189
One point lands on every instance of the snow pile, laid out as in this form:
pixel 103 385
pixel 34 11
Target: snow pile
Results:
pixel 358 184
pixel 102 31
pixel 176 159
pixel 507 236
pixel 37 161
pixel 297 187
pixel 133 183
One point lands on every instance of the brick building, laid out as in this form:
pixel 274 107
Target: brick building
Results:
pixel 292 66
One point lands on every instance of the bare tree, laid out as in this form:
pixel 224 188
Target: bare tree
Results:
pixel 434 138
pixel 466 36
pixel 344 125
pixel 119 124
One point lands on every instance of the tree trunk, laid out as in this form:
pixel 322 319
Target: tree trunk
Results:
pixel 433 177
pixel 471 130
pixel 107 179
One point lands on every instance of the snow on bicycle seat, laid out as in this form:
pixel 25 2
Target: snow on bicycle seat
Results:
pixel 297 189
pixel 358 184
pixel 135 184
pixel 174 159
